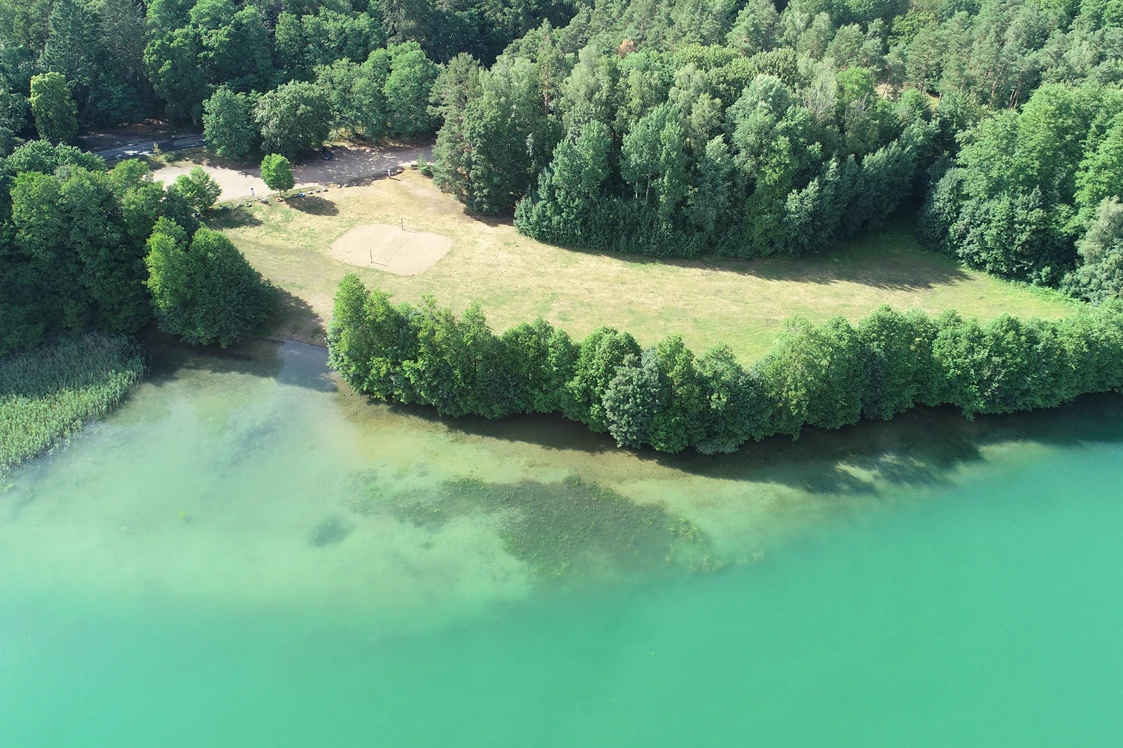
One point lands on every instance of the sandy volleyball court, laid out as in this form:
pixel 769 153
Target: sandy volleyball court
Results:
pixel 390 248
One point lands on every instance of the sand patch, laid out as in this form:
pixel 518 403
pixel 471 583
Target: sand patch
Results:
pixel 389 248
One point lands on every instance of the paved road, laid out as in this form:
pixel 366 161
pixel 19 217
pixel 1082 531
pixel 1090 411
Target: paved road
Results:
pixel 166 144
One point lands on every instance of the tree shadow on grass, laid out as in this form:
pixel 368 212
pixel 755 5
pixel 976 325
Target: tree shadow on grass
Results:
pixel 889 258
pixel 231 218
pixel 294 319
pixel 313 205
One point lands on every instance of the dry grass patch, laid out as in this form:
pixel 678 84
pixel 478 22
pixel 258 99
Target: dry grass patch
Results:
pixel 741 303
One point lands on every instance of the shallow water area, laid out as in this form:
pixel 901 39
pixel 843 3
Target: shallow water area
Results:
pixel 246 553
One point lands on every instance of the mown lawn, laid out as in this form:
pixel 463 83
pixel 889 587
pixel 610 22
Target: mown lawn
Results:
pixel 741 303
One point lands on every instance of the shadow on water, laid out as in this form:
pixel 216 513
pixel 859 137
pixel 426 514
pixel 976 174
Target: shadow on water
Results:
pixel 295 364
pixel 551 432
pixel 918 448
pixel 921 447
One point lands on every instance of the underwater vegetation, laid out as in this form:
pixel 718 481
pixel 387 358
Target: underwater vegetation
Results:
pixel 561 530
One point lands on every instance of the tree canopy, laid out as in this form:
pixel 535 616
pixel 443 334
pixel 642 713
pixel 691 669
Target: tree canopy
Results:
pixel 825 375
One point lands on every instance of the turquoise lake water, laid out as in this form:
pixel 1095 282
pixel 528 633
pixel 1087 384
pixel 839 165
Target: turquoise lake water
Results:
pixel 246 555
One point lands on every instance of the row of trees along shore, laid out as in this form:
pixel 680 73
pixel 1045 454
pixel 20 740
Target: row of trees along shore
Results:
pixel 825 375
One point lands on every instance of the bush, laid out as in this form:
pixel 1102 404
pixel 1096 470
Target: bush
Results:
pixel 205 292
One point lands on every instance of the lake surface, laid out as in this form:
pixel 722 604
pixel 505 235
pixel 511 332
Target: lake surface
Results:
pixel 246 554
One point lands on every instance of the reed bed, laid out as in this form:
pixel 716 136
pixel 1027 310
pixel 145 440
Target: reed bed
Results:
pixel 49 393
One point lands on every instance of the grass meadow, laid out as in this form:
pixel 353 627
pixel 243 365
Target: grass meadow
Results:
pixel 47 394
pixel 738 302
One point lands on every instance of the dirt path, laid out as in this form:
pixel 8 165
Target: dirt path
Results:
pixel 348 164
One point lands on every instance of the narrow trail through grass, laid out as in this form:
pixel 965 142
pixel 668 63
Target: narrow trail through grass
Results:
pixel 515 278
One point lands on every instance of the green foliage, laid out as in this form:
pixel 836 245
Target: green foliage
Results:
pixel 1010 203
pixel 602 353
pixel 228 124
pixel 56 116
pixel 1100 275
pixel 48 394
pixel 305 41
pixel 358 99
pixel 276 172
pixel 369 338
pixel 407 90
pixel 825 376
pixel 540 360
pixel 656 399
pixel 675 424
pixel 505 137
pixel 735 407
pixel 293 118
pixel 632 399
pixel 172 64
pixel 458 364
pixel 567 207
pixel 900 371
pixel 454 89
pixel 815 375
pixel 73 240
pixel 204 291
pixel 198 188
pixel 72 262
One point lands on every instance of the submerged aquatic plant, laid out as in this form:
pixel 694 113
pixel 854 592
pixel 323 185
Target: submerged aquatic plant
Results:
pixel 47 394
pixel 561 530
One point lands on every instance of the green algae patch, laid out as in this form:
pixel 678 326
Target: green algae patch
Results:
pixel 561 530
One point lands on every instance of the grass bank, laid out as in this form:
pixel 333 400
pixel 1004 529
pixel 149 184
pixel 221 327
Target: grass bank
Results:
pixel 47 394
pixel 741 303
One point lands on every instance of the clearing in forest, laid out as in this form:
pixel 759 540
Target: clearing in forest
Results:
pixel 707 301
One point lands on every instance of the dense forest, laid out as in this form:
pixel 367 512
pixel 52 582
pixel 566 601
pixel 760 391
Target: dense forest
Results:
pixel 755 128
pixel 662 127
pixel 124 60
pixel 826 375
